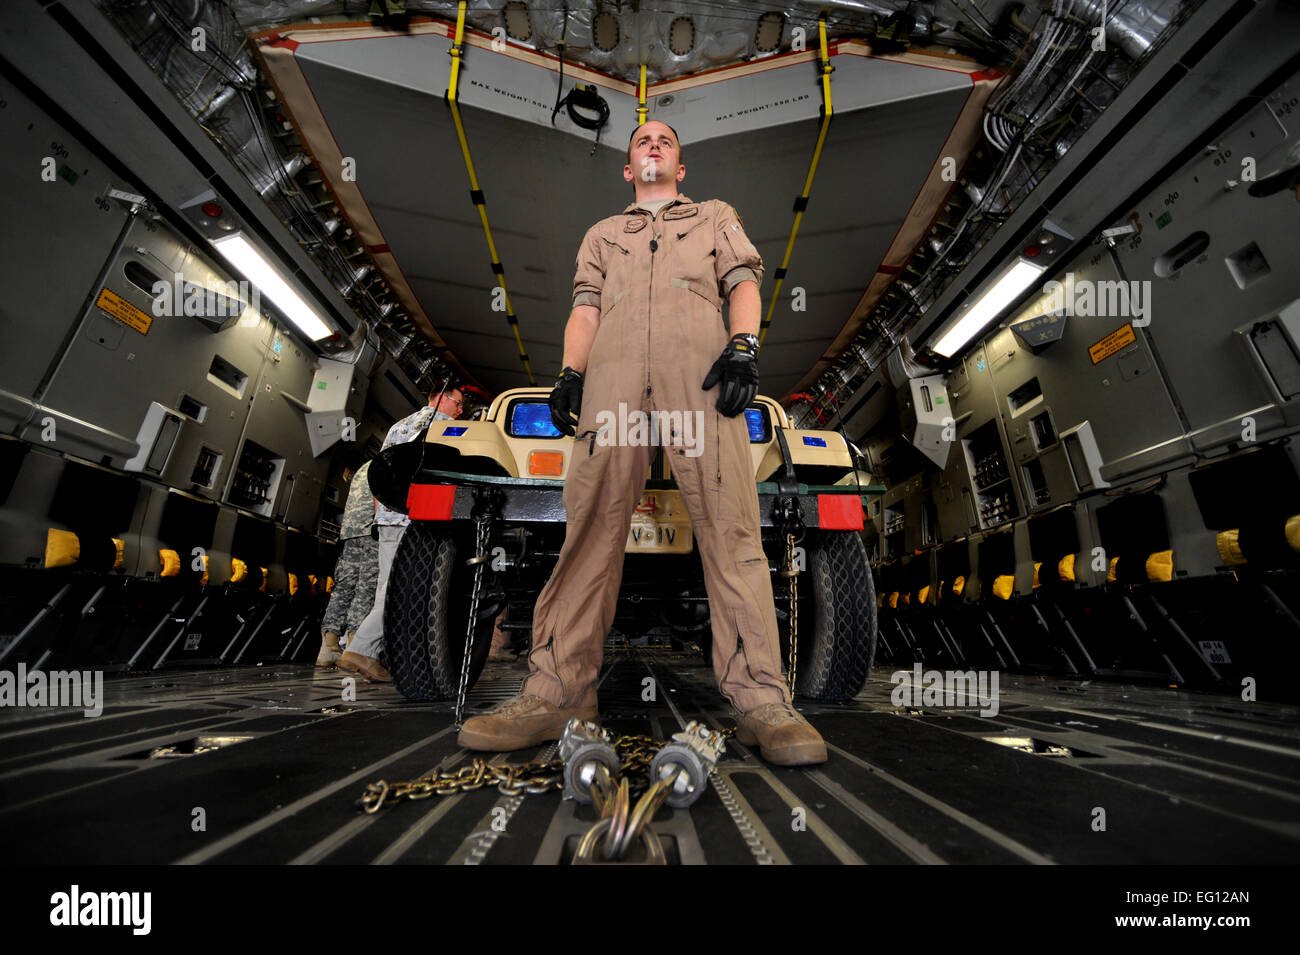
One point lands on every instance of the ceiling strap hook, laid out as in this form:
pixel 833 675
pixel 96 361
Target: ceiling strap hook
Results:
pixel 476 191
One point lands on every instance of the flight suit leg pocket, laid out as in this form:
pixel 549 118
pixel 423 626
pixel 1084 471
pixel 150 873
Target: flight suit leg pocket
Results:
pixel 693 482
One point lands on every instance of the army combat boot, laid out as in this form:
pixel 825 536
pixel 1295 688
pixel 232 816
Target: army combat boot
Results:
pixel 330 651
pixel 368 667
pixel 525 721
pixel 784 737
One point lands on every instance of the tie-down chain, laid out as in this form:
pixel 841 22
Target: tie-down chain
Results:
pixel 788 516
pixel 487 507
pixel 592 768
pixel 678 774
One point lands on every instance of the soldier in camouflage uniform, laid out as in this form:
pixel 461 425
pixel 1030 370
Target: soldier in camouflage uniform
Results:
pixel 446 402
pixel 356 573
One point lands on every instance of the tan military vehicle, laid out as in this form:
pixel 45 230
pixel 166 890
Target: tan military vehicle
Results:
pixel 488 520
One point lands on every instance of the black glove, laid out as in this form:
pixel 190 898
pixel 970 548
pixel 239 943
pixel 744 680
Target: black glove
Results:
pixel 566 400
pixel 737 369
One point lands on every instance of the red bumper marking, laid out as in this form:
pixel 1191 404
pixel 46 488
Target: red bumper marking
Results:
pixel 839 512
pixel 430 502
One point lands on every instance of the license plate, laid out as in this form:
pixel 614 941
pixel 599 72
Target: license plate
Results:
pixel 660 526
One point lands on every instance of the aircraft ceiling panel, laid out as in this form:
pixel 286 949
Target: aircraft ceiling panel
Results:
pixel 383 102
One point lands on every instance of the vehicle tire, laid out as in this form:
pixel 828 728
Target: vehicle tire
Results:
pixel 425 615
pixel 837 618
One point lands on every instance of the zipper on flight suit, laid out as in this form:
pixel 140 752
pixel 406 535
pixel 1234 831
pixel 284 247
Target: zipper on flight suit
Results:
pixel 717 444
pixel 555 664
pixel 717 430
pixel 740 652
pixel 682 235
pixel 650 298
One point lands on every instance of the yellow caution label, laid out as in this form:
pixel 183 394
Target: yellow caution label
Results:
pixel 1116 341
pixel 124 311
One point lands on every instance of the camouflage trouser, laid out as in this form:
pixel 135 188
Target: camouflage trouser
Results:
pixel 355 577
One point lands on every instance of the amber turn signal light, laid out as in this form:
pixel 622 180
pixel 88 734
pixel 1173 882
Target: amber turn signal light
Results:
pixel 546 462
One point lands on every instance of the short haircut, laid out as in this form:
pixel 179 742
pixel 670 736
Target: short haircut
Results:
pixel 442 386
pixel 670 129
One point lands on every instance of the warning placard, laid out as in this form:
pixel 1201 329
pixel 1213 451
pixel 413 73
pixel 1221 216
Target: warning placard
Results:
pixel 124 311
pixel 1116 341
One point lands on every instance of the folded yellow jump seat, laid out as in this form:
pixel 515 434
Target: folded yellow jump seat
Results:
pixel 67 549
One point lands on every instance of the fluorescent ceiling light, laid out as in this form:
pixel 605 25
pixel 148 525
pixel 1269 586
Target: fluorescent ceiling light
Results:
pixel 240 253
pixel 1009 287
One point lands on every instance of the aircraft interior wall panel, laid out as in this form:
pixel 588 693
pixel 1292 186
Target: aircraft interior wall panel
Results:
pixel 1043 396
pixel 1194 545
pixel 149 515
pixel 23 523
pixel 890 523
pixel 393 392
pixel 991 483
pixel 1089 538
pixel 914 492
pixel 58 235
pixel 1122 396
pixel 133 546
pixel 1244 273
pixel 1084 574
pixel 1024 558
pixel 113 372
pixel 279 427
pixel 952 490
pixel 952 499
pixel 223 536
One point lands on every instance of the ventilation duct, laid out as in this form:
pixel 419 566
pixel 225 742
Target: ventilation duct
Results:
pixel 903 367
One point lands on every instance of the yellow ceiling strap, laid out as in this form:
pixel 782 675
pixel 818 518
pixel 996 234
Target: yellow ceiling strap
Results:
pixel 476 194
pixel 801 203
pixel 640 100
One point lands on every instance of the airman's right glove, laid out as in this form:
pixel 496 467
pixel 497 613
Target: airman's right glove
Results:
pixel 566 401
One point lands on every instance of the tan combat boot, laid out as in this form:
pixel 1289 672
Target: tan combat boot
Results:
pixel 500 649
pixel 368 667
pixel 330 651
pixel 783 735
pixel 525 721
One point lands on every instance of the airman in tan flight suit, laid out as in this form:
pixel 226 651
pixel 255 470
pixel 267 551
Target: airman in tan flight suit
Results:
pixel 646 334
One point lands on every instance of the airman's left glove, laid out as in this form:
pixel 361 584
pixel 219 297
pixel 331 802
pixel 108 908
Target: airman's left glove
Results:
pixel 566 400
pixel 737 369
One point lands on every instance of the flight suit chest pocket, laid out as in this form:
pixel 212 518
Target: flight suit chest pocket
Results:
pixel 617 259
pixel 614 248
pixel 694 256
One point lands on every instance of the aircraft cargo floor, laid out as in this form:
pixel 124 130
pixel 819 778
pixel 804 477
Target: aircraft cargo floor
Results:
pixel 1181 778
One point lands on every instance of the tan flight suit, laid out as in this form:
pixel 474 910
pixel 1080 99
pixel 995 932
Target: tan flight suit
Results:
pixel 661 329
